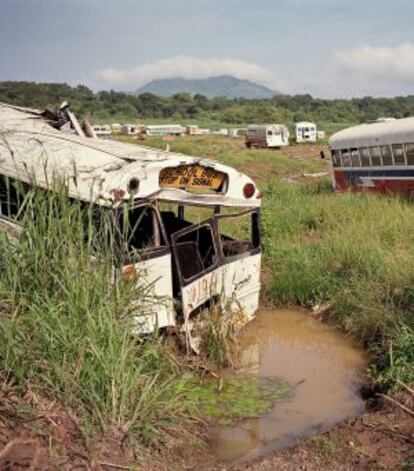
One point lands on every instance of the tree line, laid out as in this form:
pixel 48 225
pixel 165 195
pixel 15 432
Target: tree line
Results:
pixel 109 106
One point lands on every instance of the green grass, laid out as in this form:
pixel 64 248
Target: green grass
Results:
pixel 352 250
pixel 65 328
pixel 239 397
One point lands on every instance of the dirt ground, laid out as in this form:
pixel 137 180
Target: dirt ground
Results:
pixel 51 439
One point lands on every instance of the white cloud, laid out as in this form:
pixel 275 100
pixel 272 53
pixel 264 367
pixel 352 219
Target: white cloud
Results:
pixel 384 63
pixel 187 67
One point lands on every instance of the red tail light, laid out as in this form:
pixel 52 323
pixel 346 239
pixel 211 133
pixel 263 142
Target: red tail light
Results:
pixel 248 190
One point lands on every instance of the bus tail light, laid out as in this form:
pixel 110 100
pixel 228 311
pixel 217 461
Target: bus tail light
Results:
pixel 248 190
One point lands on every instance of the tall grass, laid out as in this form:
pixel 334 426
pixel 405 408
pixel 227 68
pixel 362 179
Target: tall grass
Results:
pixel 65 329
pixel 352 250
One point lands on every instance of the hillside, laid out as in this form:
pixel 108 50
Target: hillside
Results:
pixel 222 86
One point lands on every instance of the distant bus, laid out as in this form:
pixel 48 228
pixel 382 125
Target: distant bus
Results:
pixel 104 130
pixel 267 135
pixel 375 156
pixel 305 132
pixel 130 129
pixel 164 130
pixel 192 130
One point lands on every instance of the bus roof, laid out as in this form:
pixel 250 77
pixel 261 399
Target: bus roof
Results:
pixel 253 127
pixel 381 132
pixel 301 124
pixel 31 149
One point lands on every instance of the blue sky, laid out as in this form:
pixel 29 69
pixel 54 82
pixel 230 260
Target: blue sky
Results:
pixel 324 47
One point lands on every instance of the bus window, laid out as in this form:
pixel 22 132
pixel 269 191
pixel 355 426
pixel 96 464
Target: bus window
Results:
pixel 195 251
pixel 409 151
pixel 398 151
pixel 239 234
pixel 376 157
pixel 346 159
pixel 365 157
pixel 11 196
pixel 355 158
pixel 386 155
pixel 139 228
pixel 336 158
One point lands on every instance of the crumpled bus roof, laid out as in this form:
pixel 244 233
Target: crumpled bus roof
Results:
pixel 31 149
pixel 381 132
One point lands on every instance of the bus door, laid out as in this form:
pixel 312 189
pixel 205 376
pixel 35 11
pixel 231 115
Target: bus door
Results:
pixel 150 264
pixel 197 258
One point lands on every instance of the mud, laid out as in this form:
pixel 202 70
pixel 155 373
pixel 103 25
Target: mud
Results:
pixel 325 368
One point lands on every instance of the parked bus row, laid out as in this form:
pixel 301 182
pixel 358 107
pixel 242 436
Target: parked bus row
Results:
pixel 257 135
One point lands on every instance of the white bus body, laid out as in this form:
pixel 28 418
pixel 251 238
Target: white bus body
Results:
pixel 305 132
pixel 164 130
pixel 267 135
pixel 130 129
pixel 192 130
pixel 186 264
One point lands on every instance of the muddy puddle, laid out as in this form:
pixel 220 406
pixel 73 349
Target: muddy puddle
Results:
pixel 323 364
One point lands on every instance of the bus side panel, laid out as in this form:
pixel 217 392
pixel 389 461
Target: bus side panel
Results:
pixel 156 309
pixel 237 284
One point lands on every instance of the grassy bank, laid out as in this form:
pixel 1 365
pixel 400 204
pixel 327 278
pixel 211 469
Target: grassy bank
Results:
pixel 354 252
pixel 65 329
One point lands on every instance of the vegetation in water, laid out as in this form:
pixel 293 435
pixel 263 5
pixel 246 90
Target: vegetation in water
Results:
pixel 239 397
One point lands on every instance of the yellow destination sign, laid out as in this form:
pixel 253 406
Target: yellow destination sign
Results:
pixel 191 176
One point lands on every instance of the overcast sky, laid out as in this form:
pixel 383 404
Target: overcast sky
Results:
pixel 324 47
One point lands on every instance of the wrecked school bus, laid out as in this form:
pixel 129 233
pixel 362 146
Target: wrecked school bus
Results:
pixel 183 211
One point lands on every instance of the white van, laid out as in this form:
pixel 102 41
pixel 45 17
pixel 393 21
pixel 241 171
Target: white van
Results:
pixel 305 132
pixel 267 135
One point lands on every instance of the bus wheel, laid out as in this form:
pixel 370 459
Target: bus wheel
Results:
pixel 248 145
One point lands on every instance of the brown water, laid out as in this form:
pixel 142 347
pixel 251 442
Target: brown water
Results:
pixel 292 345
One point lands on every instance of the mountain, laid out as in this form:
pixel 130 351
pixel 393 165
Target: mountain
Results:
pixel 224 85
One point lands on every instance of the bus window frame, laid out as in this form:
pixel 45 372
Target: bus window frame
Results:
pixel 349 164
pixel 402 146
pixel 368 149
pixel 174 242
pixel 145 253
pixel 411 152
pixel 255 227
pixel 376 156
pixel 351 156
pixel 221 259
pixel 389 146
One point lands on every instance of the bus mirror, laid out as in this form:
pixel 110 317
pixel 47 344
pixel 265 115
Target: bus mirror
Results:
pixel 322 154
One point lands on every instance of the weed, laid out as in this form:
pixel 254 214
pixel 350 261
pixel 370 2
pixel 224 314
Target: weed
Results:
pixel 239 397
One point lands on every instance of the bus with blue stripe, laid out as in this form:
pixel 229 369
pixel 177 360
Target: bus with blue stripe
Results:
pixel 377 156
